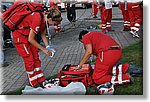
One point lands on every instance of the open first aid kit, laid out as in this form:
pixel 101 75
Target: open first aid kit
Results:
pixel 69 74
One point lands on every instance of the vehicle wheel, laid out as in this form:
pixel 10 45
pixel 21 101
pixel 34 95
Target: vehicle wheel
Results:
pixel 84 6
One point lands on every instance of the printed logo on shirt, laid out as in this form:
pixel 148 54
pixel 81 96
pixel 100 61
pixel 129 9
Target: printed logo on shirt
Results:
pixel 37 28
pixel 32 13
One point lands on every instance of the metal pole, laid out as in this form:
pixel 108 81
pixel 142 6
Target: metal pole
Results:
pixel 49 35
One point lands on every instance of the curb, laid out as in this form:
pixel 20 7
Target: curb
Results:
pixel 100 19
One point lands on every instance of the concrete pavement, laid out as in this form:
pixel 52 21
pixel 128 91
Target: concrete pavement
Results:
pixel 69 51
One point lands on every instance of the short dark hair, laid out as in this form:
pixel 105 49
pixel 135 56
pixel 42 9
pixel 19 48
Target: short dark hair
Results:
pixel 55 14
pixel 82 33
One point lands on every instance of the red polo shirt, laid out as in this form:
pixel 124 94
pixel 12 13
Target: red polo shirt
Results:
pixel 34 21
pixel 99 41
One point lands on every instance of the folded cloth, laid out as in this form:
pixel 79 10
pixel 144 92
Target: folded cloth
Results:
pixel 74 88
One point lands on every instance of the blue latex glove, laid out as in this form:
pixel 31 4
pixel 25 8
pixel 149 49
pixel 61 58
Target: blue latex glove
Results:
pixel 51 49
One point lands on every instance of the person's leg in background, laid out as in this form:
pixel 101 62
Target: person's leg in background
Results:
pixel 135 15
pixel 108 22
pixel 125 17
pixel 94 10
pixel 103 16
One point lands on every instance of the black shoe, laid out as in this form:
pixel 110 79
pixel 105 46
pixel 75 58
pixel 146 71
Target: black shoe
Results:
pixel 111 30
pixel 126 29
pixel 5 64
pixel 36 86
pixel 95 17
pixel 11 45
pixel 6 46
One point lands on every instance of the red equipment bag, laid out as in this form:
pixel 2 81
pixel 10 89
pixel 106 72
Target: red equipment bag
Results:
pixel 68 74
pixel 17 12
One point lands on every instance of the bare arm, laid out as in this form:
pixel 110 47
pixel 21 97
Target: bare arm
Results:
pixel 44 38
pixel 87 54
pixel 32 40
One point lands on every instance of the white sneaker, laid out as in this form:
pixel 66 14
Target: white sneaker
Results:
pixel 51 83
pixel 106 89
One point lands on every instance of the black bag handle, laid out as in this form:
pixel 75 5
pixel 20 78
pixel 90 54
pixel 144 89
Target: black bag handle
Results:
pixel 66 67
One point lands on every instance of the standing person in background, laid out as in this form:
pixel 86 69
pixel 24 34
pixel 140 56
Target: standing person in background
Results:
pixel 3 63
pixel 94 8
pixel 71 12
pixel 6 33
pixel 54 4
pixel 135 15
pixel 124 9
pixel 1 45
pixel 106 14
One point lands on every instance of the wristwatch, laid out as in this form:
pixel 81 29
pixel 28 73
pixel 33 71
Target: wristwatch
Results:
pixel 79 66
pixel 47 46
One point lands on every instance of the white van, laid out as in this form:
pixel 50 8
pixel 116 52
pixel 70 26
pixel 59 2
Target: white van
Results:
pixel 79 4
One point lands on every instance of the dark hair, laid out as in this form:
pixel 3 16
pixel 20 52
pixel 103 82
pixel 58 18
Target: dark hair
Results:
pixel 54 14
pixel 82 33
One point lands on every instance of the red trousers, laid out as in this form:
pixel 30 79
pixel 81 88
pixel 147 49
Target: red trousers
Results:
pixel 104 70
pixel 106 16
pixel 94 9
pixel 29 54
pixel 125 16
pixel 135 15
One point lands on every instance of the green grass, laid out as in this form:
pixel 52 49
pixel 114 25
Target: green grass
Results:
pixel 132 55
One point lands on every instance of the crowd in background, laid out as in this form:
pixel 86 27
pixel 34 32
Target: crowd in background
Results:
pixel 132 11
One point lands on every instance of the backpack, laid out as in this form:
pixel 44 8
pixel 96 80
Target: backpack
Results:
pixel 68 75
pixel 18 11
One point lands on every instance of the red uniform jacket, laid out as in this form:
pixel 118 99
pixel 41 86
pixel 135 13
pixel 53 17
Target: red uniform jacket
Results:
pixel 34 21
pixel 99 41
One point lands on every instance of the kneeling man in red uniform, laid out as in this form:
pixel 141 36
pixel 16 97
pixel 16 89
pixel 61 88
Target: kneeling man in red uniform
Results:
pixel 108 53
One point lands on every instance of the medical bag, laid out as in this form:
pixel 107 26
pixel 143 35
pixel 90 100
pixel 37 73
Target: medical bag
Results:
pixel 69 74
pixel 18 11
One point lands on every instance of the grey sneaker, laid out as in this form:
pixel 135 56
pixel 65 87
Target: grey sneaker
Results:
pixel 134 34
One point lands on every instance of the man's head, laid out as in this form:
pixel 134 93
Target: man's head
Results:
pixel 82 33
pixel 54 16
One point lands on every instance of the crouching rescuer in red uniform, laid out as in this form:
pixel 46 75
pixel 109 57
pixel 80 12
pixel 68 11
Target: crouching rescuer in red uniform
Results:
pixel 108 53
pixel 27 46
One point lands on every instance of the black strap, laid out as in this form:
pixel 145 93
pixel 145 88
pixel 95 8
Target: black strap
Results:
pixel 25 27
pixel 66 67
